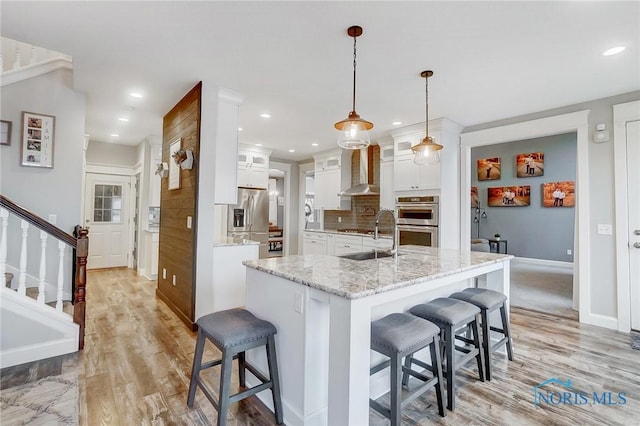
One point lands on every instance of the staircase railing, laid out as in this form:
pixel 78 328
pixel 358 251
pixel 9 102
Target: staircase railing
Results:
pixel 79 245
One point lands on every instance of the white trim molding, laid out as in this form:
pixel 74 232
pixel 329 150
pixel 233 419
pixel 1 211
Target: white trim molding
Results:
pixel 577 122
pixel 30 71
pixel 622 114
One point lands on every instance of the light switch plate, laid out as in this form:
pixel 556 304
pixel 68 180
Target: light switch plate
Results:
pixel 189 222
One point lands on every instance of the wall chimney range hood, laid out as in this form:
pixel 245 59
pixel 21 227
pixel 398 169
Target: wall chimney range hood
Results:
pixel 365 185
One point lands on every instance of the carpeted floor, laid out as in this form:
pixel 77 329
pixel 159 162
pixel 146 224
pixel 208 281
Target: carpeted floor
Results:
pixel 542 288
pixel 52 400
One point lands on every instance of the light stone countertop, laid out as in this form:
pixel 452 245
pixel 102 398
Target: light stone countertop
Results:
pixel 354 279
pixel 233 241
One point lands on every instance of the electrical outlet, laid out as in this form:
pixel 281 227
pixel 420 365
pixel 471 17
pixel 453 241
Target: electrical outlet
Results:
pixel 569 252
pixel 164 273
pixel 339 219
pixel 53 218
pixel 174 280
pixel 189 222
pixel 605 229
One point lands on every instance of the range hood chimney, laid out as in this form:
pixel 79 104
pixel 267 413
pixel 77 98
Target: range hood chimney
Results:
pixel 365 185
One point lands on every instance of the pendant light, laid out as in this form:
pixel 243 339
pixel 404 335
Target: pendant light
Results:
pixel 354 130
pixel 427 151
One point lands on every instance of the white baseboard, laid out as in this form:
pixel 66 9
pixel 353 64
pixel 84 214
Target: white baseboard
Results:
pixel 543 262
pixel 599 320
pixel 291 416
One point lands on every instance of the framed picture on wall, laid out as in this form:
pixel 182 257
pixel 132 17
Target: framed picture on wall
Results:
pixel 559 194
pixel 37 140
pixel 509 196
pixel 489 168
pixel 5 132
pixel 174 167
pixel 529 165
pixel 474 197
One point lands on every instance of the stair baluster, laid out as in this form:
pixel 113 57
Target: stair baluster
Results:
pixel 59 302
pixel 22 278
pixel 4 218
pixel 43 267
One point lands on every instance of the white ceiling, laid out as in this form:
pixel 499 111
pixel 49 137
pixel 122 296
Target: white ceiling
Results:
pixel 492 60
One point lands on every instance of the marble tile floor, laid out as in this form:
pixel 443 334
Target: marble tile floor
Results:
pixel 137 360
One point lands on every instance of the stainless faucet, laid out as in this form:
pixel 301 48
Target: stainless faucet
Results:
pixel 394 247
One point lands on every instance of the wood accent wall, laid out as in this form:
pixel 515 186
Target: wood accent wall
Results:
pixel 177 242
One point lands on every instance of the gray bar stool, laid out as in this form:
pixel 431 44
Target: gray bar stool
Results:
pixel 233 332
pixel 396 336
pixel 488 301
pixel 451 315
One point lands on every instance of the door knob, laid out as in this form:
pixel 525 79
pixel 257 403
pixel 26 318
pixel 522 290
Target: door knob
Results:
pixel 636 232
pixel 636 245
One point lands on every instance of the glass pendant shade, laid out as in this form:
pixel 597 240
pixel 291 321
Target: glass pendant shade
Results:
pixel 353 132
pixel 426 152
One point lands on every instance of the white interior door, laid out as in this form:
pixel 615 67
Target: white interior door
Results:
pixel 107 216
pixel 633 197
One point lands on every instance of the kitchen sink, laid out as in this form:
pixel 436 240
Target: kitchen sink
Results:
pixel 367 255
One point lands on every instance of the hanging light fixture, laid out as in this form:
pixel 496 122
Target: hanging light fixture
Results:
pixel 354 130
pixel 427 151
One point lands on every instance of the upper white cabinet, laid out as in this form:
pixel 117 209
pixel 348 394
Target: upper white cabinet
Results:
pixel 387 196
pixel 253 168
pixel 332 175
pixel 409 176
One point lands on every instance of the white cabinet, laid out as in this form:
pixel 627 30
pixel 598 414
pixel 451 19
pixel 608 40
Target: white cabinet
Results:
pixel 347 244
pixel 409 176
pixel 314 243
pixel 253 169
pixel 332 175
pixel 387 195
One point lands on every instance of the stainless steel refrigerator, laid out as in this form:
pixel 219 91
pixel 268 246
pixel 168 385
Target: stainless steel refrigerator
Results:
pixel 250 217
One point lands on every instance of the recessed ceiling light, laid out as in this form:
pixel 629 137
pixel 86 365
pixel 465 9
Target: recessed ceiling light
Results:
pixel 265 115
pixel 240 129
pixel 613 51
pixel 314 144
pixel 123 119
pixel 258 144
pixel 135 95
pixel 115 135
pixel 397 123
pixel 292 150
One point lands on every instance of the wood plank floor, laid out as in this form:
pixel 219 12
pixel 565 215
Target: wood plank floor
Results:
pixel 137 360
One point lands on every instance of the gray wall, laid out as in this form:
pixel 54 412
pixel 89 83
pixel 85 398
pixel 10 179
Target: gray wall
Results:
pixel 532 231
pixel 112 154
pixel 602 248
pixel 44 191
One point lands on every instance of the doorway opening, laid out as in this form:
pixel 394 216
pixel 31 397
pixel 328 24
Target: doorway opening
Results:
pixel 516 209
pixel 276 213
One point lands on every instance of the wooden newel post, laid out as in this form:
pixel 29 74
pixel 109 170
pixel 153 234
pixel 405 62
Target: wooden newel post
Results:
pixel 82 251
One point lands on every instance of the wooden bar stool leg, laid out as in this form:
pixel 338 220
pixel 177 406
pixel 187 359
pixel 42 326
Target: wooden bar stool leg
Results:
pixel 449 337
pixel 486 341
pixel 396 388
pixel 242 373
pixel 195 370
pixel 478 344
pixel 225 387
pixel 507 330
pixel 407 364
pixel 272 361
pixel 436 361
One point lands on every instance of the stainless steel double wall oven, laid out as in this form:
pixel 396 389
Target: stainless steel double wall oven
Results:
pixel 418 220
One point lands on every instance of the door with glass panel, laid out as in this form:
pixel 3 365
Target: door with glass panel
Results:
pixel 107 216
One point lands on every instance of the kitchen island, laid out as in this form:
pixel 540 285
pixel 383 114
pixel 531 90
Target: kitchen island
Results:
pixel 323 306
